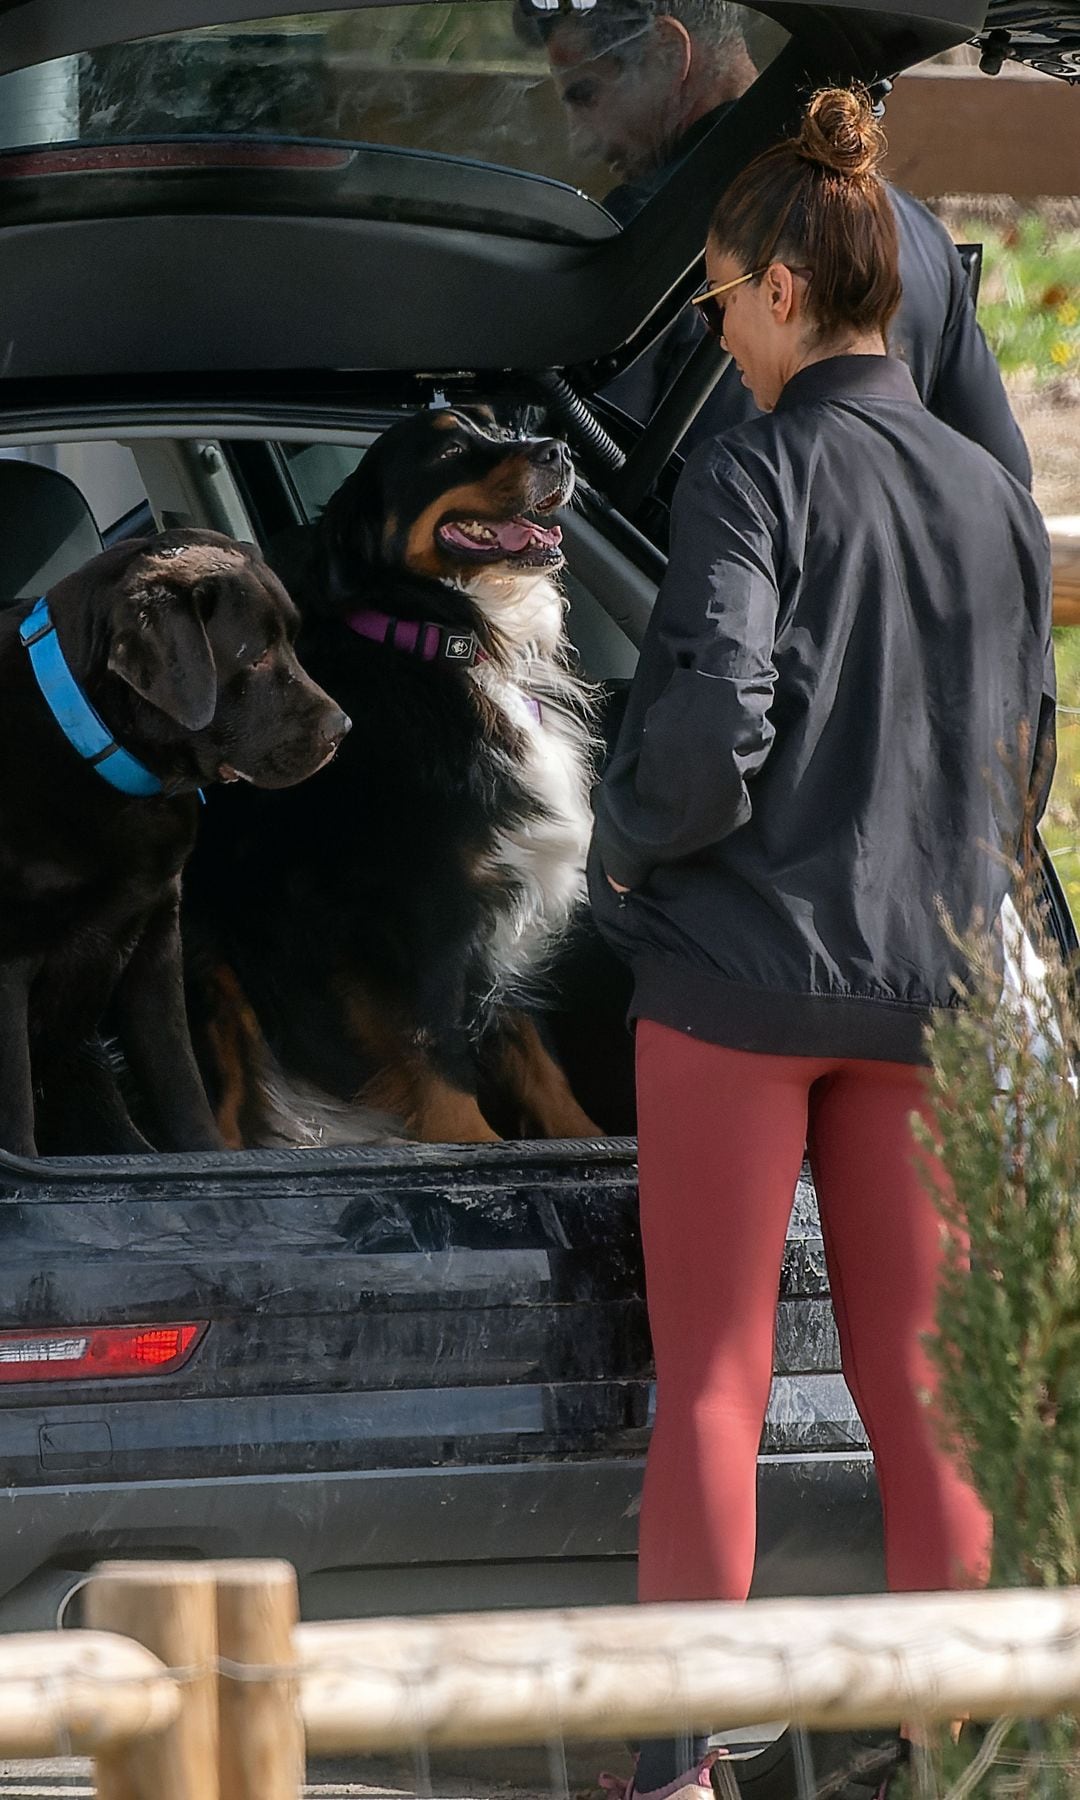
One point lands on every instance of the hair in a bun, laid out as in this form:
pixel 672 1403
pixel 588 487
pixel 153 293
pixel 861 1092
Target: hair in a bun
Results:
pixel 817 203
pixel 840 133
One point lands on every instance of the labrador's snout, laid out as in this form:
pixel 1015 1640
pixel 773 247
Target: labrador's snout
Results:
pixel 335 727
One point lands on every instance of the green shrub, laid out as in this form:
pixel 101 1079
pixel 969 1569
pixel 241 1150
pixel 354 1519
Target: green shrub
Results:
pixel 1008 1343
pixel 1006 1127
pixel 1029 304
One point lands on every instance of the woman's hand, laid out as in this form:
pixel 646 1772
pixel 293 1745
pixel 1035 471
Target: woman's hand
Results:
pixel 617 885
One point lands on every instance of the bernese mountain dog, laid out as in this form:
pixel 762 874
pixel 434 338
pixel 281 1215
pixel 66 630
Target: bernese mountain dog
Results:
pixel 367 954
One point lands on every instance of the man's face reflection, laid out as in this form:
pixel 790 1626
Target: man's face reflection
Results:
pixel 623 101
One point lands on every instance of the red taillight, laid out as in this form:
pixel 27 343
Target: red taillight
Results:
pixel 135 158
pixel 95 1352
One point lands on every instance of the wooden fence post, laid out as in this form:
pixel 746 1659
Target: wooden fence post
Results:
pixel 170 1608
pixel 261 1730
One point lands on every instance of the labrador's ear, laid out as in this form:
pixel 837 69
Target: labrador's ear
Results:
pixel 162 651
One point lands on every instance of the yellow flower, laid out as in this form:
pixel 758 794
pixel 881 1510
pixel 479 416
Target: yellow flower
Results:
pixel 1068 314
pixel 1061 352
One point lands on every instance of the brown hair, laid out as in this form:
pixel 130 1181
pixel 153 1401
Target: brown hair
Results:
pixel 816 202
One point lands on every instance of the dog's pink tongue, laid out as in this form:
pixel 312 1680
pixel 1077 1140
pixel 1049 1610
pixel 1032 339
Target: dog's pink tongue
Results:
pixel 518 534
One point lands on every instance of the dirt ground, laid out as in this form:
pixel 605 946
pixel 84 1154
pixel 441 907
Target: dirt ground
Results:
pixel 506 1775
pixel 1050 421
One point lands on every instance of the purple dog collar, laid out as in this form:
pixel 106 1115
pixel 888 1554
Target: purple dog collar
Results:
pixel 430 642
pixel 415 637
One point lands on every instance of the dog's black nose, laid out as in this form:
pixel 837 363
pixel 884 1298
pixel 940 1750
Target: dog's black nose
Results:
pixel 550 453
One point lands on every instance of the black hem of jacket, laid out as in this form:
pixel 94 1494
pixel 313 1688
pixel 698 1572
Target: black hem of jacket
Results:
pixel 739 1016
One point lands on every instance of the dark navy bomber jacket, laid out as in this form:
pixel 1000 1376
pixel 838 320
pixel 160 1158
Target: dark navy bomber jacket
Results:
pixel 844 698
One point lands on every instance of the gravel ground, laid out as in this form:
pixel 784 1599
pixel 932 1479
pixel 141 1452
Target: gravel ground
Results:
pixel 526 1775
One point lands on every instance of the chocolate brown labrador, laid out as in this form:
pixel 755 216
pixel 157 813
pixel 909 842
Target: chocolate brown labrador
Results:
pixel 163 665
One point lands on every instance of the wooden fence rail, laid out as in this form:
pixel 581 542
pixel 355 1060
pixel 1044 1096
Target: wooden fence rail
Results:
pixel 205 1687
pixel 1065 543
pixel 606 1672
pixel 85 1693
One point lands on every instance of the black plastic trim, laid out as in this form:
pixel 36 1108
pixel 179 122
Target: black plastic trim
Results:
pixel 245 398
pixel 819 1523
pixel 18 1174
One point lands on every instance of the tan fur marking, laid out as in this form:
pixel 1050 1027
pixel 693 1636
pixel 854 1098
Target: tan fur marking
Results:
pixel 433 1111
pixel 231 1028
pixel 539 1086
pixel 376 1035
pixel 408 1088
pixel 224 1049
pixel 503 495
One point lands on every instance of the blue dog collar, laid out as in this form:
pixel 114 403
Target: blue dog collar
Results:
pixel 78 721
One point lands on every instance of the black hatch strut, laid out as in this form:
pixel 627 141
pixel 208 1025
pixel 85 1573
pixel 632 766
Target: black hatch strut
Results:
pixel 599 452
pixel 625 479
pixel 628 486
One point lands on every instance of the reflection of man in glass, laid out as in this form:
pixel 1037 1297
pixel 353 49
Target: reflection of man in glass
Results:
pixel 642 81
pixel 636 79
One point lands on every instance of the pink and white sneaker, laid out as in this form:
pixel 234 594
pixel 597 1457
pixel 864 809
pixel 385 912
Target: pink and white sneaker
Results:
pixel 708 1779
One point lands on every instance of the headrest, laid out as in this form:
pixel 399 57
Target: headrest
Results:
pixel 47 530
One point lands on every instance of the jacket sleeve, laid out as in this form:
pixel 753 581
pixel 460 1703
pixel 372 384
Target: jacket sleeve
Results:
pixel 682 785
pixel 968 392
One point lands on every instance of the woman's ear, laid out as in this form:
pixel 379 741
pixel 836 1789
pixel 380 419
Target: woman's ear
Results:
pixel 780 292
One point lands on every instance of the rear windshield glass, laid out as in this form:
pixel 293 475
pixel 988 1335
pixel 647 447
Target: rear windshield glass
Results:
pixel 599 96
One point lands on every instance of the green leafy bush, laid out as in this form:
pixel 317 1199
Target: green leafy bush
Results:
pixel 1007 1121
pixel 1029 304
pixel 1006 1128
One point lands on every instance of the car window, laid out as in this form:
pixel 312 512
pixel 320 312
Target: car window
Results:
pixel 516 83
pixel 316 470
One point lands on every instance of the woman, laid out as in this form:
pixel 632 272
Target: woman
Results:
pixel 853 630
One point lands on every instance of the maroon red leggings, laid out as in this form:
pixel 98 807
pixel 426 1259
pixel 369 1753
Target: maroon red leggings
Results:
pixel 721 1137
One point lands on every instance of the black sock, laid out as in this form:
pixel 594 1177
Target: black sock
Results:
pixel 661 1760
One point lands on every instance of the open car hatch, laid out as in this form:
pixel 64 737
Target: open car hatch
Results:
pixel 206 186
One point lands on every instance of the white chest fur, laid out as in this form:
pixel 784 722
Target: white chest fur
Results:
pixel 542 861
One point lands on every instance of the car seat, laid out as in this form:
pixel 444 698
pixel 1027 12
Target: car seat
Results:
pixel 47 532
